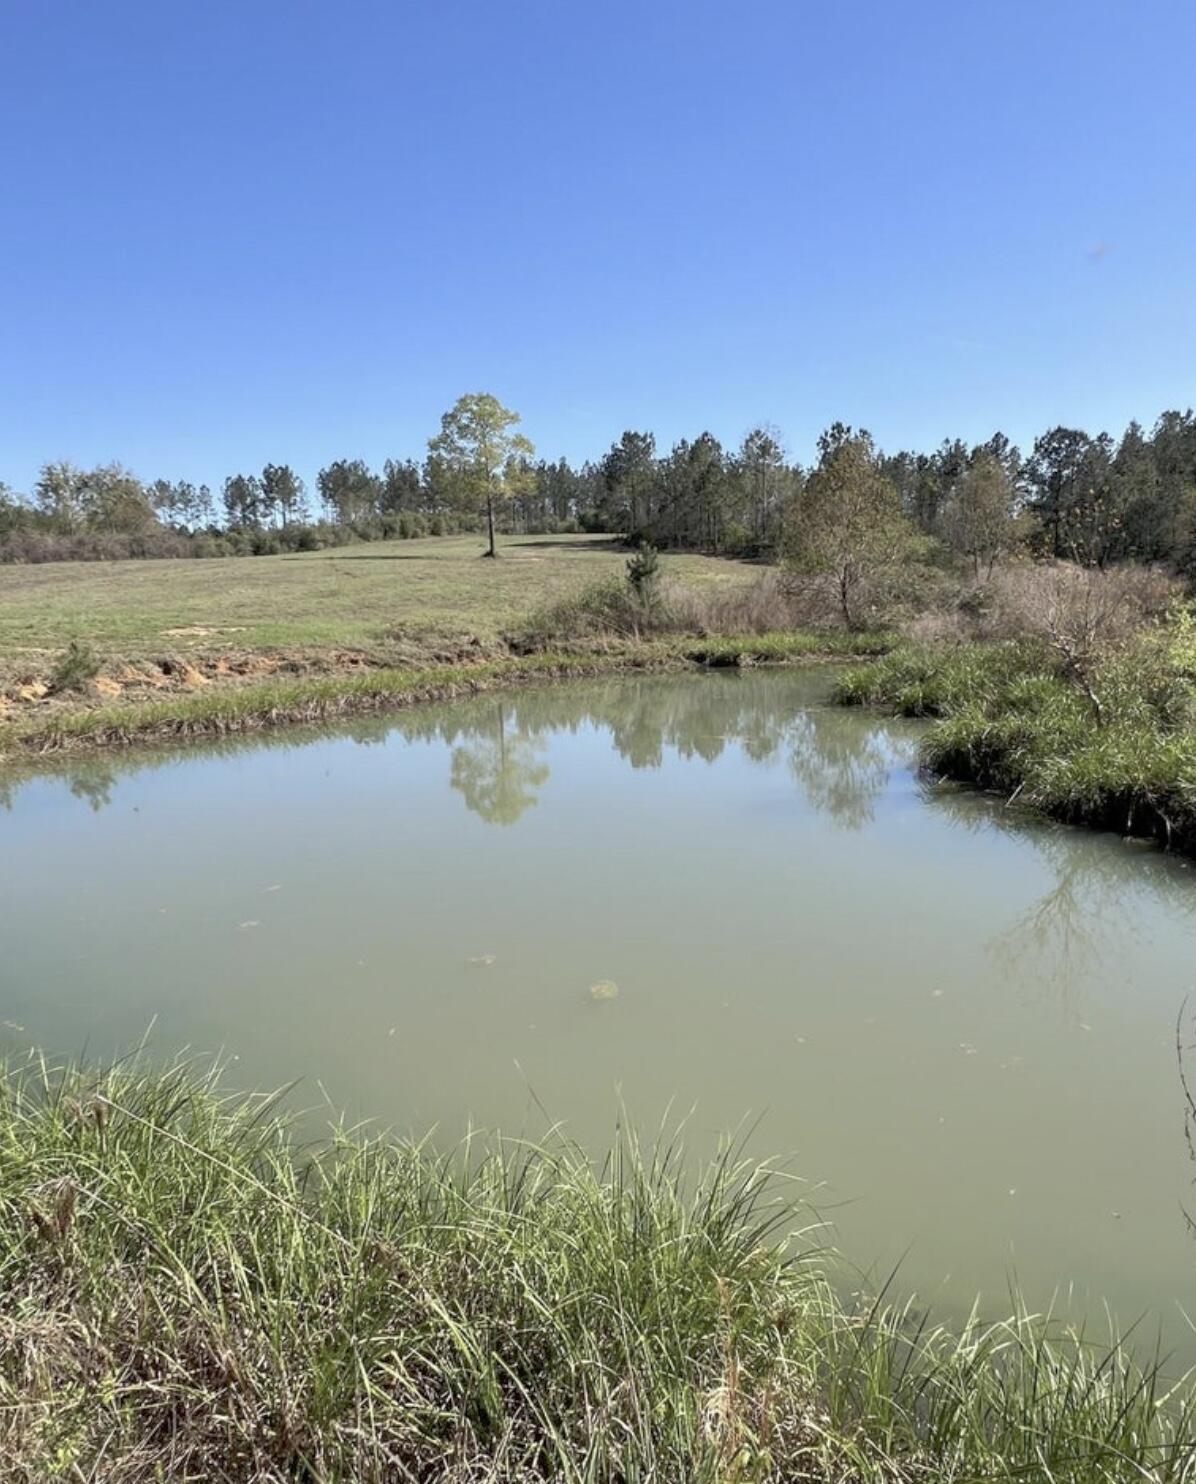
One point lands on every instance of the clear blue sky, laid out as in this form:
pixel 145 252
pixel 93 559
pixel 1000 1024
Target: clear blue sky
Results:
pixel 236 231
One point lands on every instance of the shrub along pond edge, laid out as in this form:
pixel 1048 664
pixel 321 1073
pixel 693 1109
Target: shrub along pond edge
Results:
pixel 1006 720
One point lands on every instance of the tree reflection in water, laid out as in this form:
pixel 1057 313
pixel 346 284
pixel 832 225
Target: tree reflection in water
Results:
pixel 1091 907
pixel 1185 1051
pixel 840 765
pixel 840 761
pixel 94 786
pixel 498 772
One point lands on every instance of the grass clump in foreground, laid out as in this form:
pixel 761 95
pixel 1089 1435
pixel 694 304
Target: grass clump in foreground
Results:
pixel 189 1293
pixel 1114 748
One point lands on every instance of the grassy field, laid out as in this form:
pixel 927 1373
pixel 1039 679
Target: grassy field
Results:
pixel 188 1291
pixel 176 649
pixel 361 596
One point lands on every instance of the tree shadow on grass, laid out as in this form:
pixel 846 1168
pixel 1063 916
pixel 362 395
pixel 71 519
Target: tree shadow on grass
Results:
pixel 593 543
pixel 395 556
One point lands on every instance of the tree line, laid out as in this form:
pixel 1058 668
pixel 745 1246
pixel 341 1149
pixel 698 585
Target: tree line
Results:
pixel 1092 499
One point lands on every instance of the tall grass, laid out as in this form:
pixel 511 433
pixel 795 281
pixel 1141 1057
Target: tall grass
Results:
pixel 1008 719
pixel 187 1292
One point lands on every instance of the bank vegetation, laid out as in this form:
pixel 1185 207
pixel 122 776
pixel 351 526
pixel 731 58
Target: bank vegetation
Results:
pixel 192 1290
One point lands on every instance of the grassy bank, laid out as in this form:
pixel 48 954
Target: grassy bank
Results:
pixel 100 655
pixel 222 710
pixel 1117 751
pixel 189 1293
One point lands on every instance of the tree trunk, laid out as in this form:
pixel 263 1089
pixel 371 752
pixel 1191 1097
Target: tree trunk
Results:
pixel 493 551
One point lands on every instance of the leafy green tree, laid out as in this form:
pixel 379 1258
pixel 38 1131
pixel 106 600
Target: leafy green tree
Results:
pixel 14 512
pixel 643 575
pixel 448 493
pixel 483 455
pixel 183 505
pixel 629 480
pixel 691 501
pixel 402 487
pixel 199 507
pixel 1173 451
pixel 926 483
pixel 58 495
pixel 350 491
pixel 763 484
pixel 106 498
pixel 1008 455
pixel 1149 529
pixel 242 496
pixel 561 490
pixel 1074 496
pixel 979 521
pixel 847 521
pixel 115 500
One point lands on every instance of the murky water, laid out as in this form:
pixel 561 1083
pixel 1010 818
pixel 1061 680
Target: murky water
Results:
pixel 959 1024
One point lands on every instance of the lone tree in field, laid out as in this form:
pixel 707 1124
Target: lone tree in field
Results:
pixel 483 455
pixel 847 521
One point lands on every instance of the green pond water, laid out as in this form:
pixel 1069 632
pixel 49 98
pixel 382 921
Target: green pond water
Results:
pixel 955 1023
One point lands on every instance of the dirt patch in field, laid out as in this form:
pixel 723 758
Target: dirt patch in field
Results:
pixel 198 631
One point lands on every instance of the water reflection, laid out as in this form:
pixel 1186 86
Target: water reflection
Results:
pixel 796 925
pixel 1185 1051
pixel 1090 911
pixel 94 787
pixel 840 765
pixel 840 761
pixel 499 769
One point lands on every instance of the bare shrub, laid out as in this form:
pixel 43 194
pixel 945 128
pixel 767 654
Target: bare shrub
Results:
pixel 774 601
pixel 1082 614
pixel 940 626
pixel 786 599
pixel 35 546
pixel 1096 606
pixel 614 611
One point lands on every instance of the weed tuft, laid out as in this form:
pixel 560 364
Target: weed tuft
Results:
pixel 74 669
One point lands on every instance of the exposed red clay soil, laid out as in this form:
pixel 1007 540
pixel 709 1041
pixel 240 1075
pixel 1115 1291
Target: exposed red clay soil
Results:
pixel 28 685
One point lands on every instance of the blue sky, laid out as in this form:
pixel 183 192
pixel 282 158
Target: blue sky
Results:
pixel 236 231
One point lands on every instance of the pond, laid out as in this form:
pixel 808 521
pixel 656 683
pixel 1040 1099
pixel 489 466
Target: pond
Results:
pixel 716 900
